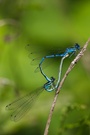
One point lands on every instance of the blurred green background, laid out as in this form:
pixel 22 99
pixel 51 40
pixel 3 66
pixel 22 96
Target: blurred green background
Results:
pixel 47 24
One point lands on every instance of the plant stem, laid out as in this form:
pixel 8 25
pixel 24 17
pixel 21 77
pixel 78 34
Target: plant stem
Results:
pixel 73 63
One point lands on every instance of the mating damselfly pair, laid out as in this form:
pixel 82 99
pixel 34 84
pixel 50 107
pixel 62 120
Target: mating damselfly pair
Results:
pixel 22 105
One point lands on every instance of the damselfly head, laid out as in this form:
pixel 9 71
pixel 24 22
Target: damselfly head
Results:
pixel 77 46
pixel 52 79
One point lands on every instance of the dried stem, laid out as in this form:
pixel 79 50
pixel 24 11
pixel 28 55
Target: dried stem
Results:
pixel 73 63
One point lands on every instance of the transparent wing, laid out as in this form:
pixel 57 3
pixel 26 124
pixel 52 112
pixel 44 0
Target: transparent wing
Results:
pixel 36 56
pixel 22 105
pixel 40 53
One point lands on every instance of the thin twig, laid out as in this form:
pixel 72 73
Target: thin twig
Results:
pixel 73 63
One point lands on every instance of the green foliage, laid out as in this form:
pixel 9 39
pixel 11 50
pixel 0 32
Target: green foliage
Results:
pixel 75 119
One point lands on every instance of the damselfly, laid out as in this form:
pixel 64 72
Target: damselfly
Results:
pixel 22 105
pixel 68 52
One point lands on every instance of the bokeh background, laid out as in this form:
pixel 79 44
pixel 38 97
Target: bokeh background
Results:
pixel 47 24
